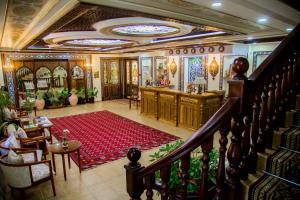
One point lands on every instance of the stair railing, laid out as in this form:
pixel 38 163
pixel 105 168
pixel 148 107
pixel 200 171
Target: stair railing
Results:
pixel 255 108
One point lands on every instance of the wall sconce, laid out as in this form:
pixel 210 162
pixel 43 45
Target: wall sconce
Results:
pixel 213 68
pixel 8 68
pixel 173 67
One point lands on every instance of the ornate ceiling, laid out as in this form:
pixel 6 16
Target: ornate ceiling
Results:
pixel 131 25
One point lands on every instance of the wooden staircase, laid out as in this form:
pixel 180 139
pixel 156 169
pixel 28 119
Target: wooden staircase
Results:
pixel 255 111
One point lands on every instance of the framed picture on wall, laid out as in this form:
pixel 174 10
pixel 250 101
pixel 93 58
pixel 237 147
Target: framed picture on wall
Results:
pixel 259 57
pixel 160 68
pixel 146 69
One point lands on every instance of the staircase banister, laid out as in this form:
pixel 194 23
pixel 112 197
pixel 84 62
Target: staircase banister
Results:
pixel 198 138
pixel 267 65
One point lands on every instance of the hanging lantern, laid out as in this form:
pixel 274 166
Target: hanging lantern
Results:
pixel 213 68
pixel 173 67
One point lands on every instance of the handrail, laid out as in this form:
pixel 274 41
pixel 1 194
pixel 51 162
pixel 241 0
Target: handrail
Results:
pixel 272 59
pixel 256 107
pixel 204 133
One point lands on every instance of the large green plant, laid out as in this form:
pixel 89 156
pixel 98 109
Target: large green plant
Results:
pixel 4 102
pixel 63 95
pixel 81 93
pixel 92 92
pixel 195 167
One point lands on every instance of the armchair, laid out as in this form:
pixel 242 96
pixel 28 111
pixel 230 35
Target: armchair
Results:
pixel 28 174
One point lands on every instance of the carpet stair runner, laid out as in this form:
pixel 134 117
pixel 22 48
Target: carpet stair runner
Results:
pixel 281 178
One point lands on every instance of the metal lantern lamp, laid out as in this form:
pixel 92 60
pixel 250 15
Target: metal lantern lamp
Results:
pixel 173 67
pixel 213 68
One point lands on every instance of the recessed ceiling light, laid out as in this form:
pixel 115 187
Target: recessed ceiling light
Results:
pixel 216 4
pixel 262 20
pixel 289 29
pixel 250 38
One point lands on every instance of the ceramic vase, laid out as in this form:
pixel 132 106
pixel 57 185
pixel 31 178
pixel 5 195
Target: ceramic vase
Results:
pixel 73 99
pixel 40 104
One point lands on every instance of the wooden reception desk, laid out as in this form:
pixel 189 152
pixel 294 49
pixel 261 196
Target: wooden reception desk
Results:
pixel 180 108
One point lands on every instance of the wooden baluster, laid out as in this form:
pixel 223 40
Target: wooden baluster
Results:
pixel 293 88
pixel 252 158
pixel 268 132
pixel 234 155
pixel 289 86
pixel 278 101
pixel 150 181
pixel 134 184
pixel 284 100
pixel 245 148
pixel 263 120
pixel 185 166
pixel 221 165
pixel 206 149
pixel 165 176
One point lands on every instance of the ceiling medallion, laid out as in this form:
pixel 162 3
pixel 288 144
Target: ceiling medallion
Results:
pixel 145 30
pixel 96 42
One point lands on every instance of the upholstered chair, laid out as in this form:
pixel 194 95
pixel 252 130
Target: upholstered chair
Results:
pixel 28 174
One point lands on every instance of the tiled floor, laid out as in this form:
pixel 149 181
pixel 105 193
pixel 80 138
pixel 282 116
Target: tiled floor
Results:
pixel 104 182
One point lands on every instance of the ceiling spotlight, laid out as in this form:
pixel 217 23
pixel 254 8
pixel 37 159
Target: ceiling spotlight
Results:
pixel 289 29
pixel 216 4
pixel 262 20
pixel 250 38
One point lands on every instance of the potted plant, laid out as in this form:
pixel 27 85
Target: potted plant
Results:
pixel 195 170
pixel 63 96
pixel 81 96
pixel 40 102
pixel 73 99
pixel 92 93
pixel 28 105
pixel 4 102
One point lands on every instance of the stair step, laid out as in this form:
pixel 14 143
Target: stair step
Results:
pixel 270 187
pixel 262 159
pixel 285 163
pixel 291 139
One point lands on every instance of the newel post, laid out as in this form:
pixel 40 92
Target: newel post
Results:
pixel 240 128
pixel 134 184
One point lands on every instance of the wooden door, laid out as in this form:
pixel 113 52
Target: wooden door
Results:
pixel 131 77
pixel 110 76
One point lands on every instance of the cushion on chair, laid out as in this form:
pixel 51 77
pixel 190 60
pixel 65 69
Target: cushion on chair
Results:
pixel 21 133
pixel 29 157
pixel 11 129
pixel 40 171
pixel 46 132
pixel 10 142
pixel 13 158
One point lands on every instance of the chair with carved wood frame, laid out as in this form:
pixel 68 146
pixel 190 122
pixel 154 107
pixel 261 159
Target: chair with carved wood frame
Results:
pixel 28 174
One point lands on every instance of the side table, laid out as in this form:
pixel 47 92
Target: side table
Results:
pixel 73 145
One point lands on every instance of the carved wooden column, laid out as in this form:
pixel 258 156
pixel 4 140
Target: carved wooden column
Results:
pixel 238 87
pixel 134 184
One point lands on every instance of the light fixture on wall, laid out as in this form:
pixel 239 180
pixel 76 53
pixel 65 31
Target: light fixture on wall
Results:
pixel 8 68
pixel 213 68
pixel 173 67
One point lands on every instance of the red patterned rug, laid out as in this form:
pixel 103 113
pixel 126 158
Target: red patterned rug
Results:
pixel 106 136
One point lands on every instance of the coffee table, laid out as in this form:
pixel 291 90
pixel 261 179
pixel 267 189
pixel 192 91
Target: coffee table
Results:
pixel 73 145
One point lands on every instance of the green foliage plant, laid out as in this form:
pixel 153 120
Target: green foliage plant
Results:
pixel 81 93
pixel 40 94
pixel 4 102
pixel 63 95
pixel 195 167
pixel 92 92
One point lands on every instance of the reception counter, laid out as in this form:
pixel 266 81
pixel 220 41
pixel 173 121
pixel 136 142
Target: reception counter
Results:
pixel 180 108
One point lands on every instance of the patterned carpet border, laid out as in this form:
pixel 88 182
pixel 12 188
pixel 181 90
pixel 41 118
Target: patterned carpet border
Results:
pixel 106 136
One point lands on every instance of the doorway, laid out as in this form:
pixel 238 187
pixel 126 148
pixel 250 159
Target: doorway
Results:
pixel 131 77
pixel 110 79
